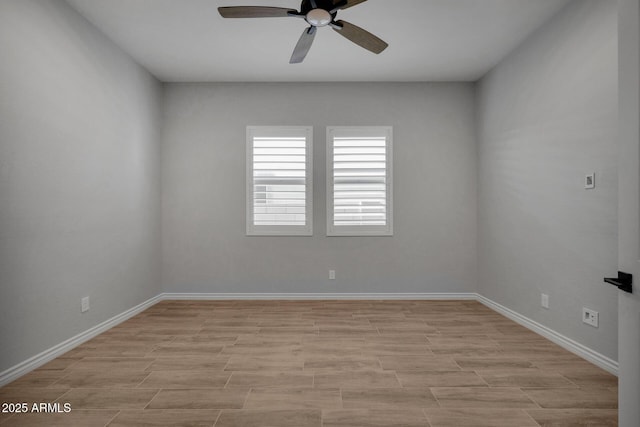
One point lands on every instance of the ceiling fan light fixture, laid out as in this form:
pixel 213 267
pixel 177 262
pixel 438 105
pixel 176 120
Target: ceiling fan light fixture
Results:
pixel 318 17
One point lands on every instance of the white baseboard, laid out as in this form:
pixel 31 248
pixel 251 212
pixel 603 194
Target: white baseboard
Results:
pixel 46 356
pixel 318 296
pixel 578 349
pixel 40 359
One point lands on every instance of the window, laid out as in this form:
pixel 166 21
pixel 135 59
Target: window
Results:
pixel 359 181
pixel 279 181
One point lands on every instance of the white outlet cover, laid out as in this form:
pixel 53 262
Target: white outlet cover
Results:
pixel 590 181
pixel 590 317
pixel 332 275
pixel 544 300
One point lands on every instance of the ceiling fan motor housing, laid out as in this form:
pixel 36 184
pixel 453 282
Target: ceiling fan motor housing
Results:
pixel 318 16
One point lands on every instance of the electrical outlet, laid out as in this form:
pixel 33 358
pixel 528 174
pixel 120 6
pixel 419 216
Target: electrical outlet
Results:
pixel 590 181
pixel 84 304
pixel 590 317
pixel 544 300
pixel 332 275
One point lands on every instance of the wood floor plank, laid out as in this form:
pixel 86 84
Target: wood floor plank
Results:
pixel 374 418
pixel 261 348
pixel 397 339
pixel 270 379
pixel 298 398
pixel 492 363
pixel 575 417
pixel 121 378
pixel 395 349
pixel 270 417
pixel 527 377
pixel 477 397
pixel 388 398
pixel 331 362
pixel 108 398
pixel 219 398
pixel 479 417
pixel 590 378
pixel 419 362
pixel 110 363
pixel 39 378
pixel 30 395
pixel 184 379
pixel 187 349
pixel 165 418
pixel 265 363
pixel 440 379
pixel 191 363
pixel 592 398
pixel 364 379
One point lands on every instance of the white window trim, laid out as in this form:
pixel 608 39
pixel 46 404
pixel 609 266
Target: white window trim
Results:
pixel 284 230
pixel 360 230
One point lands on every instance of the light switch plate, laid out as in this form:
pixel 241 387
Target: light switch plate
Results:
pixel 544 300
pixel 84 304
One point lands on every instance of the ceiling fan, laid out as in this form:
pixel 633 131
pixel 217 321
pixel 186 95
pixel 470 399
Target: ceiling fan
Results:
pixel 317 13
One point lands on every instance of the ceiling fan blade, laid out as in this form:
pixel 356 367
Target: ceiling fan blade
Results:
pixel 255 12
pixel 303 46
pixel 346 4
pixel 360 37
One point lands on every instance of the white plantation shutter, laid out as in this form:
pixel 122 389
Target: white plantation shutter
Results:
pixel 279 176
pixel 359 186
pixel 359 181
pixel 279 180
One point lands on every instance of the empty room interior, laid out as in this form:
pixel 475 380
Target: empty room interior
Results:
pixel 209 219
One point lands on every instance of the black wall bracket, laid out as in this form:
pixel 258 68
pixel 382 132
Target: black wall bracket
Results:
pixel 623 281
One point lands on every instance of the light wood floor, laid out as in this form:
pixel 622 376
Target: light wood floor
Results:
pixel 318 363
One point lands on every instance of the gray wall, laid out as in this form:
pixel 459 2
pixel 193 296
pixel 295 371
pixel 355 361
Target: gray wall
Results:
pixel 204 244
pixel 79 178
pixel 547 115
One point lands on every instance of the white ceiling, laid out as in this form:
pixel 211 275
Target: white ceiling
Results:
pixel 429 40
